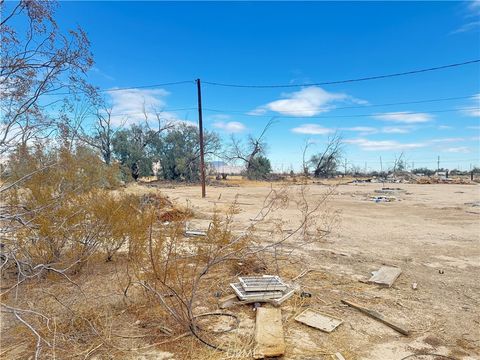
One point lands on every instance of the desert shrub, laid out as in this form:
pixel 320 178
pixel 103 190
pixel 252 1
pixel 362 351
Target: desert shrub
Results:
pixel 49 209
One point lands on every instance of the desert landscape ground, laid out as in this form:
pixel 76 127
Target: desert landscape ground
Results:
pixel 431 232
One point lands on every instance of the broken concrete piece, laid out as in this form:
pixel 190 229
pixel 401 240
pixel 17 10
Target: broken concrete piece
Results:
pixel 195 233
pixel 319 320
pixel 269 337
pixel 386 275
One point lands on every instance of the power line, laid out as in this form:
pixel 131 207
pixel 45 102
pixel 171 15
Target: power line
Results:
pixel 411 72
pixel 366 105
pixel 347 116
pixel 131 88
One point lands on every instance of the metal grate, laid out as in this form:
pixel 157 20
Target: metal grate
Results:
pixel 262 283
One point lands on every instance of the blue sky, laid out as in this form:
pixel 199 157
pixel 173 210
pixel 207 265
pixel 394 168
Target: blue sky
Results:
pixel 144 43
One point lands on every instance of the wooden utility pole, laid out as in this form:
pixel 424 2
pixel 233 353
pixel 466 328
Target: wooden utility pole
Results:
pixel 200 130
pixel 438 163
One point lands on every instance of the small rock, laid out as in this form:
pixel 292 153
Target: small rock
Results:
pixel 441 271
pixel 414 286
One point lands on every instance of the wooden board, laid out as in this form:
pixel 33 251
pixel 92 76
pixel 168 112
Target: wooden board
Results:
pixel 319 320
pixel 376 315
pixel 386 275
pixel 269 337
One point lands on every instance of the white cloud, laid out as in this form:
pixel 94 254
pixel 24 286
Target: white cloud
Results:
pixel 444 127
pixel 447 140
pixel 230 126
pixel 130 106
pixel 367 130
pixel 472 25
pixel 406 117
pixel 396 129
pixel 382 145
pixel 309 101
pixel 363 130
pixel 312 129
pixel 459 149
pixel 473 127
pixel 474 112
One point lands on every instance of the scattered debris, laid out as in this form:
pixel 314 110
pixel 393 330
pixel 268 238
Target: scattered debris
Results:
pixel 414 286
pixel 378 199
pixel 255 295
pixel 473 204
pixel 266 288
pixel 386 275
pixel 376 315
pixel 305 294
pixel 387 190
pixel 319 320
pixel 193 232
pixel 338 356
pixel 262 283
pixel 269 337
pixel 227 301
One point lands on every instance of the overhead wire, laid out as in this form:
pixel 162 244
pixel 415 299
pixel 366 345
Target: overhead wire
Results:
pixel 366 105
pixel 376 77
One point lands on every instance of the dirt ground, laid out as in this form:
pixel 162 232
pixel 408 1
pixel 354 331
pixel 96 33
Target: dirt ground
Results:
pixel 431 232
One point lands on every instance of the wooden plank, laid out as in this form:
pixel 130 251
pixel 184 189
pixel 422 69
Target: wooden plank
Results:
pixel 386 275
pixel 319 320
pixel 377 316
pixel 269 337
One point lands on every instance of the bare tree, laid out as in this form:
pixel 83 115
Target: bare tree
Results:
pixel 305 162
pixel 247 153
pixel 35 65
pixel 326 162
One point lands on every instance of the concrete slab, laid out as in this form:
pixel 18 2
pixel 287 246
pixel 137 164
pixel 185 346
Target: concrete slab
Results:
pixel 269 336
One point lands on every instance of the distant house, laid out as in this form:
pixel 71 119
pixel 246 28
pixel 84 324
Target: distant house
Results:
pixel 220 167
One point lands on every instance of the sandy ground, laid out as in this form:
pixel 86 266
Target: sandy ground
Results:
pixel 429 232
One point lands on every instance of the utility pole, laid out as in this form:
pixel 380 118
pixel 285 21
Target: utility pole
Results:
pixel 345 168
pixel 438 163
pixel 200 130
pixel 381 165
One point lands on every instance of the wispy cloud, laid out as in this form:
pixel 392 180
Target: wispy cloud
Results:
pixel 309 101
pixel 397 129
pixel 473 127
pixel 472 10
pixel 447 140
pixel 132 105
pixel 96 70
pixel 474 111
pixel 444 127
pixel 383 145
pixel 459 149
pixel 367 130
pixel 230 126
pixel 312 129
pixel 405 117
